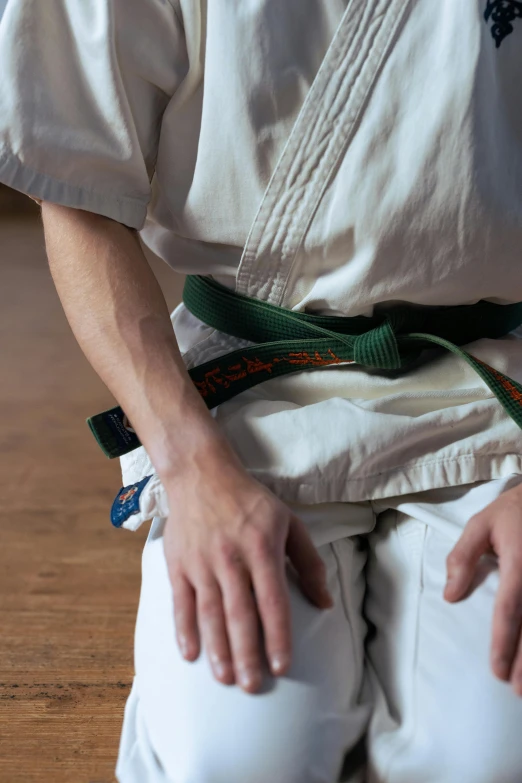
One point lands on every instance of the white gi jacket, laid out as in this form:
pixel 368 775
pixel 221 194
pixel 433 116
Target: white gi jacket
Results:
pixel 330 155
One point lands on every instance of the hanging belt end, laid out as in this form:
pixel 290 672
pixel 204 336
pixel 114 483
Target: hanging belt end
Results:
pixel 113 432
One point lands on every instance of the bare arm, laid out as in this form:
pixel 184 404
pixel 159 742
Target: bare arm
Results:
pixel 226 533
pixel 119 316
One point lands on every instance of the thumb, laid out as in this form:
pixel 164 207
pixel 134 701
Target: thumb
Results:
pixel 462 561
pixel 308 563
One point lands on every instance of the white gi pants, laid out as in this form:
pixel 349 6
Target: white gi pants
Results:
pixel 391 661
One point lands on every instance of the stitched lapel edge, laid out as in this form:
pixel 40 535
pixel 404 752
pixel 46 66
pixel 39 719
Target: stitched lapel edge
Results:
pixel 322 132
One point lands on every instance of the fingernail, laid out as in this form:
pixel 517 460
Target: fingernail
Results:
pixel 500 661
pixel 278 662
pixel 248 678
pixel 327 599
pixel 219 666
pixel 451 584
pixel 220 669
pixel 455 575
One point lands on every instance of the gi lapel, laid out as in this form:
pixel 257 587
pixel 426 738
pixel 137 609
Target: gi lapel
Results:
pixel 322 132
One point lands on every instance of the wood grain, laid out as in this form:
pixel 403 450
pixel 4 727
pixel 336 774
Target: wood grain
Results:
pixel 69 582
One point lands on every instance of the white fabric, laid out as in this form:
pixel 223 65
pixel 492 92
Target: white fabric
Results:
pixel 82 94
pixel 320 154
pixel 419 688
pixel 152 502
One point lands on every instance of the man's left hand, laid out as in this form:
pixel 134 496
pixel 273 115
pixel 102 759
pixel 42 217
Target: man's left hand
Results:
pixel 497 529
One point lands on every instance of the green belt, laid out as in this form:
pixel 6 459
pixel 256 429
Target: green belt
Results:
pixel 288 341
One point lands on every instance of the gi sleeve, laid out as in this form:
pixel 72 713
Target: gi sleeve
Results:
pixel 83 88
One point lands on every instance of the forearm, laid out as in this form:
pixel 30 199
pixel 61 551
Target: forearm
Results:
pixel 120 319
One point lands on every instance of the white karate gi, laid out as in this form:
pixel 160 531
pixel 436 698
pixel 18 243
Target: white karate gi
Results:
pixel 337 156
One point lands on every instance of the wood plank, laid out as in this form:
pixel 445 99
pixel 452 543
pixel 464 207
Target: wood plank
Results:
pixel 69 732
pixel 69 582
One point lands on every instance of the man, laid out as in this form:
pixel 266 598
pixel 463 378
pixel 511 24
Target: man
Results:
pixel 343 158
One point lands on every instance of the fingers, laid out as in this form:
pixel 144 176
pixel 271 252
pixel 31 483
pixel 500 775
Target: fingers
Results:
pixel 225 614
pixel 227 592
pixel 242 619
pixel 516 672
pixel 271 590
pixel 308 564
pixel 217 603
pixel 502 533
pixel 506 648
pixel 212 626
pixel 462 561
pixel 185 616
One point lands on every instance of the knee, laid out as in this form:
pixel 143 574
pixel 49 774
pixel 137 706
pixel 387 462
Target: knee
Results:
pixel 234 760
pixel 237 741
pixel 483 759
pixel 295 730
pixel 486 765
pixel 484 745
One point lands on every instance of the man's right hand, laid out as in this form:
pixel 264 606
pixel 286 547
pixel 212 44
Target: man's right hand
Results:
pixel 225 543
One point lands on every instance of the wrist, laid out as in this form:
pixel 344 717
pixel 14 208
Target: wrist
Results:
pixel 191 449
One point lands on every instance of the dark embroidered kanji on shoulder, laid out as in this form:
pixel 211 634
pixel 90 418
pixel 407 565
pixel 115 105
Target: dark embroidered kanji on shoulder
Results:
pixel 502 13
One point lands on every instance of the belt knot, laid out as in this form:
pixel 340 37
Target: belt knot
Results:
pixel 378 347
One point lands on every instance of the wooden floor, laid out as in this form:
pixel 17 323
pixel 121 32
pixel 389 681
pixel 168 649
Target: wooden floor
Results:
pixel 69 582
